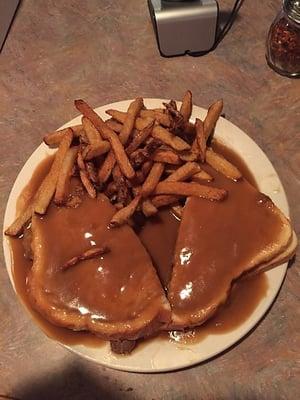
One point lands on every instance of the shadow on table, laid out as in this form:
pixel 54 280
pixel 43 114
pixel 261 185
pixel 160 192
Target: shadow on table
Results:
pixel 74 382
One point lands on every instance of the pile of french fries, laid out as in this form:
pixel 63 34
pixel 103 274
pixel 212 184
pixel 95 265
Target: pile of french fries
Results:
pixel 142 159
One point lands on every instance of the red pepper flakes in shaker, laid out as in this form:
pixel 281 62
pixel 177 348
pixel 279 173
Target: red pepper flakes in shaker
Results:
pixel 283 43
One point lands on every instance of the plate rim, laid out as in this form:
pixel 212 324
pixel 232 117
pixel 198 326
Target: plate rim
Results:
pixel 281 270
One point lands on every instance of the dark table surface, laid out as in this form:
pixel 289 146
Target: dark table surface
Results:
pixel 105 51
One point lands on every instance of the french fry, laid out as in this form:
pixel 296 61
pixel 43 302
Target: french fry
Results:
pixel 159 116
pixel 190 189
pixel 87 255
pixel 132 112
pixel 16 228
pixel 48 186
pixel 87 184
pixel 184 172
pixel 202 176
pixel 120 154
pixel 186 106
pixel 92 133
pixel 168 138
pixel 166 156
pixel 114 125
pixel 212 117
pixel 220 164
pixel 164 200
pixel 106 167
pixel 190 155
pixel 84 177
pixel 120 116
pixel 199 144
pixel 122 216
pixel 91 172
pixel 53 139
pixel 92 151
pixel 64 176
pixel 142 123
pixel 110 135
pixel 140 137
pixel 148 208
pixel 152 179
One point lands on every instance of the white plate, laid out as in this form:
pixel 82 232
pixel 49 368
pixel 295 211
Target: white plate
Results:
pixel 158 356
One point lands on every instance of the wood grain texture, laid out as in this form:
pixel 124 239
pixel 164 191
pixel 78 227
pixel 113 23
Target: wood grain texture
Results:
pixel 104 51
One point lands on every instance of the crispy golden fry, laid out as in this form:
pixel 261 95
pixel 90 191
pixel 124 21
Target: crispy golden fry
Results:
pixel 158 132
pixel 177 211
pixel 166 156
pixel 122 216
pixel 53 139
pixel 87 184
pixel 120 155
pixel 106 167
pixel 152 179
pixel 17 226
pixel 64 176
pixel 159 116
pixel 110 135
pixel 164 200
pixel 212 117
pixel 49 184
pixel 220 164
pixel 186 106
pixel 114 125
pixel 201 139
pixel 131 115
pixel 87 255
pixel 202 176
pixel 92 151
pixel 93 135
pixel 120 116
pixel 190 155
pixel 184 172
pixel 139 138
pixel 199 144
pixel 148 208
pixel 80 161
pixel 190 189
pixel 91 171
pixel 142 123
pixel 84 177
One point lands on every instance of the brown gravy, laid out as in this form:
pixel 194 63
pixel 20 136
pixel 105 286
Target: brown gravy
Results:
pixel 162 229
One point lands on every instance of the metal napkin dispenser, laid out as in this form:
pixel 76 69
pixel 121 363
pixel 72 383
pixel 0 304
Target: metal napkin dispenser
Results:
pixel 184 26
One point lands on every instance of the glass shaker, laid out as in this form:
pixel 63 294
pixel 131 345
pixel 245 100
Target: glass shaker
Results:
pixel 283 42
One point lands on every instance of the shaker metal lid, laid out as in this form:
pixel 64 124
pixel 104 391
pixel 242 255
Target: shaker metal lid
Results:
pixel 292 8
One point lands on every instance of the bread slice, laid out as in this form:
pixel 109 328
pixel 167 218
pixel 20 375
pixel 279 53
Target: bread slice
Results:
pixel 115 296
pixel 279 259
pixel 218 243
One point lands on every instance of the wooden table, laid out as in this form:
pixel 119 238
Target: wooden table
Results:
pixel 105 51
